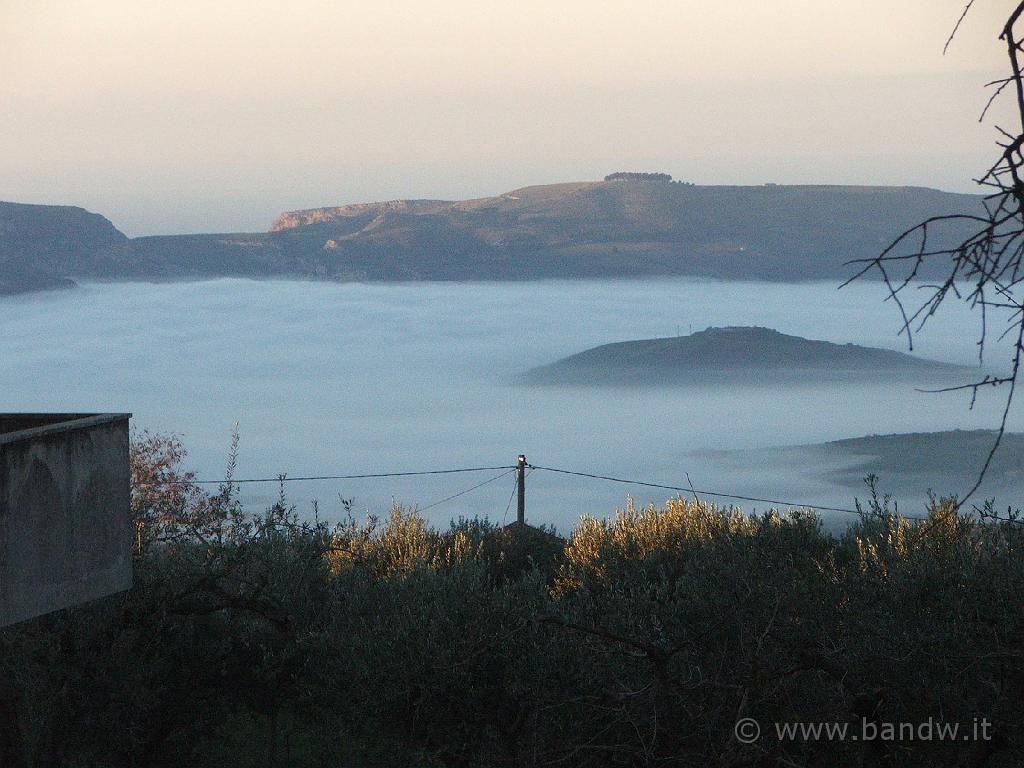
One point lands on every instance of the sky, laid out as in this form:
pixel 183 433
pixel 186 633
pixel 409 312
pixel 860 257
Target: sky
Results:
pixel 216 115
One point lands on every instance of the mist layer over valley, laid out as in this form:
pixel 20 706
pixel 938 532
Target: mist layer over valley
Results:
pixel 328 379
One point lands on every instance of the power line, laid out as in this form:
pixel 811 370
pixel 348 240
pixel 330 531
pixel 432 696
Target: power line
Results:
pixel 508 469
pixel 515 487
pixel 287 479
pixel 692 490
pixel 463 493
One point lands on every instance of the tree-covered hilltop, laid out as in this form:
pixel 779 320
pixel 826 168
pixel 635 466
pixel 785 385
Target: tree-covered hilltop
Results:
pixel 574 230
pixel 637 176
pixel 641 640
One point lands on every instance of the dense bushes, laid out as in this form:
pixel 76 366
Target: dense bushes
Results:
pixel 262 640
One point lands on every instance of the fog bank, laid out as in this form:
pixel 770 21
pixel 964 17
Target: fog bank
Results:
pixel 328 379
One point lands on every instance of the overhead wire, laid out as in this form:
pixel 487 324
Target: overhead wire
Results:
pixel 506 470
pixel 695 491
pixel 288 479
pixel 515 487
pixel 467 490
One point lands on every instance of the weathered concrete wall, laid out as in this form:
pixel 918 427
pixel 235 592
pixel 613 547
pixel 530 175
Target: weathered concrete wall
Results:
pixel 65 534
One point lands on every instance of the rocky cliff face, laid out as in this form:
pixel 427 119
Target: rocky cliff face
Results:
pixel 311 216
pixel 617 228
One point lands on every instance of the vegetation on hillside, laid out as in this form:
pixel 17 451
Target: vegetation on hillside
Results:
pixel 982 266
pixel 268 639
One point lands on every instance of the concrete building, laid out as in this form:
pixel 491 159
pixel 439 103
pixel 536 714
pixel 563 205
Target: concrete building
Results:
pixel 65 533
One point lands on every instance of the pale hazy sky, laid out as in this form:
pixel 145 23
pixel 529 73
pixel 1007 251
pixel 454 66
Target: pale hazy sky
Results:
pixel 215 115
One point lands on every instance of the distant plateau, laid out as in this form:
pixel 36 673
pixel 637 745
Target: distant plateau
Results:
pixel 623 227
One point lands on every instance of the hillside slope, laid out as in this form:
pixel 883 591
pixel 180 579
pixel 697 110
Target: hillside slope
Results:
pixel 41 245
pixel 617 228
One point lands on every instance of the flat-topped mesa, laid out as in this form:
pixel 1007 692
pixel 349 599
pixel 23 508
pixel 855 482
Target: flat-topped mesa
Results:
pixel 736 354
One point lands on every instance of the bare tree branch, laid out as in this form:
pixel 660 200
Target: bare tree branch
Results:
pixel 989 261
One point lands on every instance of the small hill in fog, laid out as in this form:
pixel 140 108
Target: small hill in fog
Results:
pixel 906 464
pixel 749 354
pixel 950 454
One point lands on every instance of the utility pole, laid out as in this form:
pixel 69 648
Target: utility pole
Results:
pixel 521 485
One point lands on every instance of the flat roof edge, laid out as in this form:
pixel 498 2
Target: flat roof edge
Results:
pixel 80 421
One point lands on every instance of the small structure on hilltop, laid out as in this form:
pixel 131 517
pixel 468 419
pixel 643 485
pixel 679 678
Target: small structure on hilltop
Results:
pixel 65 532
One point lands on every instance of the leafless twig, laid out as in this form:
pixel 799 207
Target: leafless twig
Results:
pixel 990 260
